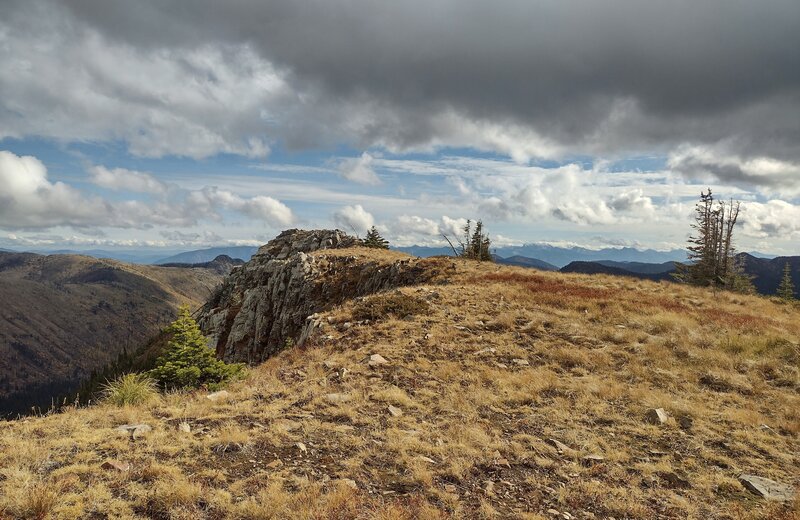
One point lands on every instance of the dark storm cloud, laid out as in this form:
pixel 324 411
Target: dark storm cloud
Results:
pixel 667 71
pixel 584 76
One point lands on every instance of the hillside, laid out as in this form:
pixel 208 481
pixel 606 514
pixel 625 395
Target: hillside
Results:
pixel 477 391
pixel 618 269
pixel 66 315
pixel 766 273
pixel 524 261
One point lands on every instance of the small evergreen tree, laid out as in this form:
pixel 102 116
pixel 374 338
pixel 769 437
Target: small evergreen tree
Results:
pixel 475 245
pixel 375 240
pixel 188 361
pixel 786 287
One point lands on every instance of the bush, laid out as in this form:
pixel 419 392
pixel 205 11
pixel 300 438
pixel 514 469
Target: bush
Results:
pixel 130 389
pixel 188 361
pixel 395 304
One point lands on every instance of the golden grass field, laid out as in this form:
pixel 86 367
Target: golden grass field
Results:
pixel 489 365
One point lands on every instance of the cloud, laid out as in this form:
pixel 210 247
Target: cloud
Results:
pixel 359 170
pixel 354 218
pixel 452 226
pixel 415 224
pixel 633 201
pixel 29 200
pixel 568 193
pixel 210 198
pixel 773 219
pixel 413 229
pixel 721 163
pixel 527 80
pixel 127 180
pixel 64 79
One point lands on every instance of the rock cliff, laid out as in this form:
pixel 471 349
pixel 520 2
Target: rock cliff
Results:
pixel 271 300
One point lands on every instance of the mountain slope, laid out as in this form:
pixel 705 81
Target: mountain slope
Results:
pixel 207 255
pixel 66 315
pixel 524 261
pixel 613 268
pixel 640 267
pixel 223 264
pixel 766 273
pixel 485 391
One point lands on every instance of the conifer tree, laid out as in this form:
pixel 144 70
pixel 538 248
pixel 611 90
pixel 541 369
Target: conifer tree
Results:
pixel 188 361
pixel 476 244
pixel 375 240
pixel 786 287
pixel 712 259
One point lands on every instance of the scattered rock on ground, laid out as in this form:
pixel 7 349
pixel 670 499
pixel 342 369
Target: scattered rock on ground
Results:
pixel 348 482
pixel 395 411
pixel 337 398
pixel 376 360
pixel 656 416
pixel 134 430
pixel 675 480
pixel 560 446
pixel 115 465
pixel 767 489
pixel 222 395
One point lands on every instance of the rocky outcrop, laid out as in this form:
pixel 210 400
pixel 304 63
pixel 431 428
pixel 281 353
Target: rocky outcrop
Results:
pixel 270 301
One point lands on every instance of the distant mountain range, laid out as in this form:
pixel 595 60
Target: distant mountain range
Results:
pixel 766 272
pixel 153 256
pixel 131 256
pixel 207 255
pixel 546 257
pixel 223 264
pixel 561 256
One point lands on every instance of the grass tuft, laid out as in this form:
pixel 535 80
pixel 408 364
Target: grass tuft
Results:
pixel 130 390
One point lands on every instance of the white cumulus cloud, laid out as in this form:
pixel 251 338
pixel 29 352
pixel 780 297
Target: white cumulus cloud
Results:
pixel 772 219
pixel 359 169
pixel 354 218
pixel 28 199
pixel 127 180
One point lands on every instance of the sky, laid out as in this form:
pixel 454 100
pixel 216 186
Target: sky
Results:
pixel 187 124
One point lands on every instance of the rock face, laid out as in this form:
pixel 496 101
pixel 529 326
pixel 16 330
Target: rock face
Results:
pixel 271 300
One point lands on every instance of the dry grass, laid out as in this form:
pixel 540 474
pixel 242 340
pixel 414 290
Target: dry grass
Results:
pixel 500 361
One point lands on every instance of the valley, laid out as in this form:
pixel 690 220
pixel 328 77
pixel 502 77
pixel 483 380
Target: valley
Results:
pixel 65 316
